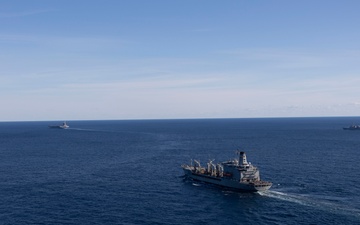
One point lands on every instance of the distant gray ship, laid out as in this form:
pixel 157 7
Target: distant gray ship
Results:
pixel 352 127
pixel 63 126
pixel 235 174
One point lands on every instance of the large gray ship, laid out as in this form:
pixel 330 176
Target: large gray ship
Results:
pixel 234 174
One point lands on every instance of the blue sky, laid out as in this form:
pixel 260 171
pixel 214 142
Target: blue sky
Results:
pixel 139 59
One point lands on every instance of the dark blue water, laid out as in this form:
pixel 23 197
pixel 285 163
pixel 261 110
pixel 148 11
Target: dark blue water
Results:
pixel 128 172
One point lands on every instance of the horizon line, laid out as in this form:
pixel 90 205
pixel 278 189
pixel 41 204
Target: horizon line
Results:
pixel 192 118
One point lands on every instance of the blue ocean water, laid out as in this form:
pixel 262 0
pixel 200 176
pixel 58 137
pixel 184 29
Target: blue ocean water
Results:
pixel 128 172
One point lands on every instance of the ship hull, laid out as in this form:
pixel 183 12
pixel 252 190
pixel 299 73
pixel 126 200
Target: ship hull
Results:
pixel 58 127
pixel 227 182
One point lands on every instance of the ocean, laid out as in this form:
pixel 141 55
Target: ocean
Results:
pixel 129 171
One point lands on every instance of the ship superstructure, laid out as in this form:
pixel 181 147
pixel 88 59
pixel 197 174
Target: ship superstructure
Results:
pixel 235 174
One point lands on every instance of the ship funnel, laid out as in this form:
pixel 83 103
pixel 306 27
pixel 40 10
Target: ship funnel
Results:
pixel 242 159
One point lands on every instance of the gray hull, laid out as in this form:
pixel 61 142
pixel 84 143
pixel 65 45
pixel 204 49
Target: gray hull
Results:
pixel 228 183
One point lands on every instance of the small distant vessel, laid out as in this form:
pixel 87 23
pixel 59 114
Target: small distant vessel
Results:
pixel 235 174
pixel 63 126
pixel 352 127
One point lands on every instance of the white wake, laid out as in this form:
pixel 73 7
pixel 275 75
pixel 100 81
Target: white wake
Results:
pixel 314 201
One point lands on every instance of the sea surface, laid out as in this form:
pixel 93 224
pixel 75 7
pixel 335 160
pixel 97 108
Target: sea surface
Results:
pixel 129 171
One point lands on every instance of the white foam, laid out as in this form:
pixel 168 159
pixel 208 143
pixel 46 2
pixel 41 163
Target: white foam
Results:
pixel 313 201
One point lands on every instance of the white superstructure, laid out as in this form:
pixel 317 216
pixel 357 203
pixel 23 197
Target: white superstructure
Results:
pixel 64 126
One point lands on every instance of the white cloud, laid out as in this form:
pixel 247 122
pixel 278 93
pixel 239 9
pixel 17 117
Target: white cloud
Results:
pixel 23 14
pixel 296 58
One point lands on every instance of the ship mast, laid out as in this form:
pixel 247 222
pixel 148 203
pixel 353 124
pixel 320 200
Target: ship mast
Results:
pixel 242 159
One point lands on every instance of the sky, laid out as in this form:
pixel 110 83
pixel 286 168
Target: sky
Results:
pixel 161 59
